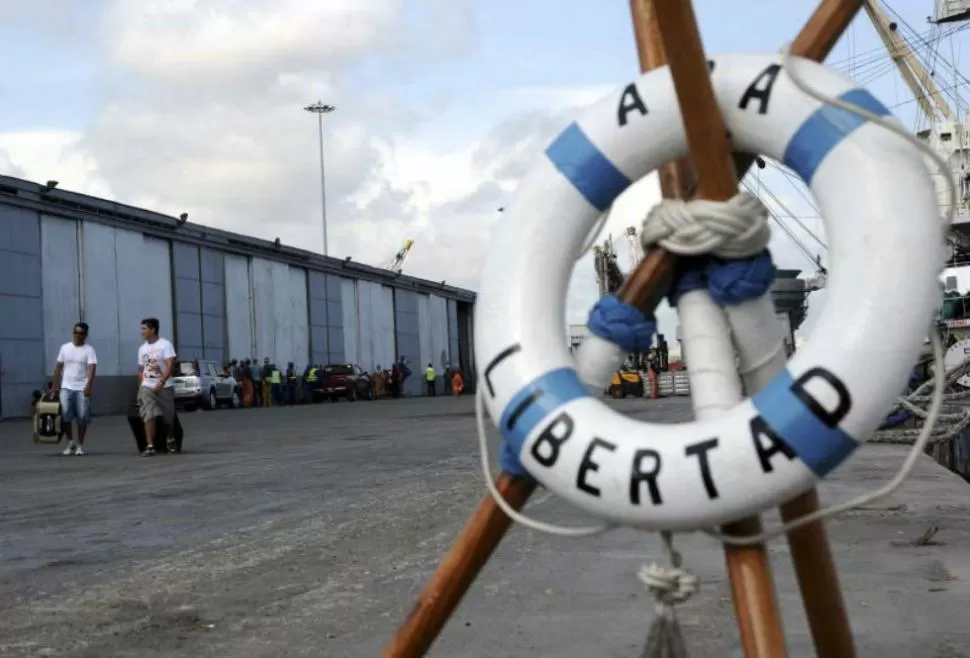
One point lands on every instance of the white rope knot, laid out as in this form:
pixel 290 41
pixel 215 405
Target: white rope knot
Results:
pixel 670 586
pixel 737 228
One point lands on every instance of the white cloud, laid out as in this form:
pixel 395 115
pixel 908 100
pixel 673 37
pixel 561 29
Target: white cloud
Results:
pixel 209 121
pixel 182 40
pixel 44 155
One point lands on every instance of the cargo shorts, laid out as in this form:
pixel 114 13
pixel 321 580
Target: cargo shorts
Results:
pixel 152 404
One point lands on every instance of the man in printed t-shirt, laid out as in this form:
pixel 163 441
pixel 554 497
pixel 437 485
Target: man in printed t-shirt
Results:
pixel 156 359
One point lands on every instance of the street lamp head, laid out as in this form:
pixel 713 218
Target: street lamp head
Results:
pixel 320 108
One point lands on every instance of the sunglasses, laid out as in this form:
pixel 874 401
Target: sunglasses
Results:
pixel 78 332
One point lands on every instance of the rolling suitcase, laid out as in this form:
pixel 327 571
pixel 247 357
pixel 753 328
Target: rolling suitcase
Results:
pixel 47 420
pixel 161 431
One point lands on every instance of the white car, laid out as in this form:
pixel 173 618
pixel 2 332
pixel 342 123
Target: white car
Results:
pixel 204 384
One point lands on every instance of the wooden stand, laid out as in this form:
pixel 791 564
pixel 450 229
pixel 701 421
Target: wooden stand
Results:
pixel 673 25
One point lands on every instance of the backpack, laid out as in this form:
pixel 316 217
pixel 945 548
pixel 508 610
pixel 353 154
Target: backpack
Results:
pixel 47 420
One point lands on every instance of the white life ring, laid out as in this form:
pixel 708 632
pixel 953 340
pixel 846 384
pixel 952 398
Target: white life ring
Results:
pixel 882 220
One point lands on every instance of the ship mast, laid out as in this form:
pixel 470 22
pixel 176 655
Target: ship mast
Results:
pixel 946 133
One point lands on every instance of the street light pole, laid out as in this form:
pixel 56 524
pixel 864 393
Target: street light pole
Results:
pixel 320 109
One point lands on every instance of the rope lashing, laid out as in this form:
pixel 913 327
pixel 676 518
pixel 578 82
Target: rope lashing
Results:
pixel 670 586
pixel 724 242
pixel 952 422
pixel 509 462
pixel 622 324
pixel 736 281
pixel 736 228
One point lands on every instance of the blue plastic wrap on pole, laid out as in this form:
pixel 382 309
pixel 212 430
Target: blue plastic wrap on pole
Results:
pixel 740 280
pixel 622 324
pixel 896 419
pixel 509 462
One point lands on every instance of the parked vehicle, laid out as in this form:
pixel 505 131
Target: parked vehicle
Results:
pixel 204 384
pixel 344 380
pixel 624 383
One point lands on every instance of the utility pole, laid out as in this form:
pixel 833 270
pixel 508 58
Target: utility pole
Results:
pixel 319 108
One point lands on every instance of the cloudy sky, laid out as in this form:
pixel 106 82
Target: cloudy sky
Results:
pixel 196 106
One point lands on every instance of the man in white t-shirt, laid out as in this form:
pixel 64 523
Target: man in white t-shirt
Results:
pixel 156 397
pixel 73 379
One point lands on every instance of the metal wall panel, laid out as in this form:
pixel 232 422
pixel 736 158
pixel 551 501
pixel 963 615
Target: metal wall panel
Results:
pixel 353 295
pixel 385 340
pixel 186 273
pixel 407 333
pixel 327 336
pixel 144 290
pixel 454 353
pixel 375 314
pixel 264 328
pixel 127 277
pixel 466 340
pixel 317 305
pixel 100 296
pixel 239 308
pixel 336 331
pixel 299 323
pixel 424 334
pixel 60 282
pixel 368 294
pixel 271 309
pixel 279 310
pixel 156 300
pixel 212 268
pixel 21 310
pixel 440 347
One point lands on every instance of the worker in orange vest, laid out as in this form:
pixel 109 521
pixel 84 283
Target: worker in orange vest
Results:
pixel 457 383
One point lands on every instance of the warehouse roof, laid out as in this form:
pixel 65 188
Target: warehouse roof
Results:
pixel 51 200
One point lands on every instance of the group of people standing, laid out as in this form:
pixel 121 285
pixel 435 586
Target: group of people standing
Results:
pixel 72 384
pixel 263 385
pixel 266 386
pixel 452 375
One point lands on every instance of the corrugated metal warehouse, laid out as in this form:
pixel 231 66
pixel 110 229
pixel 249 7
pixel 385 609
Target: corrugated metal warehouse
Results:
pixel 66 257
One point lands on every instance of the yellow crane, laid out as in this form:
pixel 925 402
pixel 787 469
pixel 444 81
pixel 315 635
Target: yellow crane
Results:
pixel 396 264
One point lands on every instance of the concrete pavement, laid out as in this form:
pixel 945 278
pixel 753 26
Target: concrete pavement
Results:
pixel 308 532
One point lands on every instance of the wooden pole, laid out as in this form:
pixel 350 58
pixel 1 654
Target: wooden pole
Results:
pixel 458 570
pixel 818 580
pixel 644 288
pixel 809 546
pixel 749 567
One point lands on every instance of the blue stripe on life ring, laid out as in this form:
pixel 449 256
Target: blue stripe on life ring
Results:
pixel 819 446
pixel 585 166
pixel 535 401
pixel 824 130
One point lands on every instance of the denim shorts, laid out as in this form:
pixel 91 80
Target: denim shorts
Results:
pixel 75 407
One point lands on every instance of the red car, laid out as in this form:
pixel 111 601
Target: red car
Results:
pixel 345 380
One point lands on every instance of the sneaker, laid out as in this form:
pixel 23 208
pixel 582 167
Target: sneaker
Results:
pixel 69 450
pixel 79 451
pixel 149 452
pixel 171 445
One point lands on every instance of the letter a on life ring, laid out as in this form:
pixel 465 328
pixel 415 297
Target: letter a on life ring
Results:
pixel 882 220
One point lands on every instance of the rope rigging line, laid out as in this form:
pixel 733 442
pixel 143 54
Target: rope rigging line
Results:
pixel 790 215
pixel 952 421
pixel 670 586
pixel 802 247
pixel 925 51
